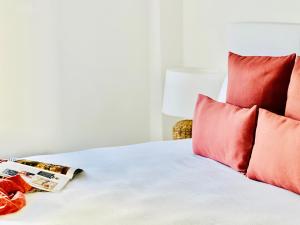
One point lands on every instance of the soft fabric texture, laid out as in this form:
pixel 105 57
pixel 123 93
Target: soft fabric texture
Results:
pixel 156 183
pixel 276 152
pixel 259 80
pixel 293 100
pixel 12 198
pixel 224 132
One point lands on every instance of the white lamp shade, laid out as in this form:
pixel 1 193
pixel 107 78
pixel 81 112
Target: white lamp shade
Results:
pixel 182 87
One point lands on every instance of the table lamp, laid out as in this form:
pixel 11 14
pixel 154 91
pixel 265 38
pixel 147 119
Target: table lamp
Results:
pixel 181 90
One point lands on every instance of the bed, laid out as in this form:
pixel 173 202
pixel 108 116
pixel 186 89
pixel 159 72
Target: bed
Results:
pixel 164 183
pixel 156 183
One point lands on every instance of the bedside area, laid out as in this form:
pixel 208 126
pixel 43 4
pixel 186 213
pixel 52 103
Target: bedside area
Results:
pixel 182 86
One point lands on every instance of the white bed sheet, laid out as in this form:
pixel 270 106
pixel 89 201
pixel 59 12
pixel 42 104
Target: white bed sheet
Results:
pixel 158 183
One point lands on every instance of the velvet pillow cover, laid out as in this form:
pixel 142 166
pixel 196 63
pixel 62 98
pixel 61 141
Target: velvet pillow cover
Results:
pixel 259 80
pixel 292 109
pixel 276 152
pixel 224 132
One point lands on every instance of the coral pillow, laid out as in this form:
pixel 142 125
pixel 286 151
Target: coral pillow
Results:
pixel 293 100
pixel 224 132
pixel 276 152
pixel 259 80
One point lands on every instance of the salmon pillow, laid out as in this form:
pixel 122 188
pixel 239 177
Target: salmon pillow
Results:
pixel 276 152
pixel 224 132
pixel 259 80
pixel 292 109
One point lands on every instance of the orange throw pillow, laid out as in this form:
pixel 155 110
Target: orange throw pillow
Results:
pixel 292 109
pixel 276 152
pixel 224 132
pixel 259 80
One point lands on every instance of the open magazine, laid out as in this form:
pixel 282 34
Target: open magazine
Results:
pixel 41 176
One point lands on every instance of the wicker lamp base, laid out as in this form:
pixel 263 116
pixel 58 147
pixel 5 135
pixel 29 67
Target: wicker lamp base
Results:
pixel 182 129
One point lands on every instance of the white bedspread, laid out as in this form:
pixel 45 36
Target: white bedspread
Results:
pixel 159 183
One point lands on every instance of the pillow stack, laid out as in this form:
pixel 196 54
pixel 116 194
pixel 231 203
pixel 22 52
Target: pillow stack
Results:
pixel 257 130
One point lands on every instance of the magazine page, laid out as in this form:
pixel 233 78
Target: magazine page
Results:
pixel 65 170
pixel 38 178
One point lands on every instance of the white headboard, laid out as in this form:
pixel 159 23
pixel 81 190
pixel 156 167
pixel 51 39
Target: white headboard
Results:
pixel 272 39
pixel 262 39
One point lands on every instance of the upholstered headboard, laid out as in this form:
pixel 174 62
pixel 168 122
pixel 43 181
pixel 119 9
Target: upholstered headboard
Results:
pixel 272 39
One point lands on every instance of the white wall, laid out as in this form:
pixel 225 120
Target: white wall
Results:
pixel 104 72
pixel 204 25
pixel 73 74
pixel 165 51
pixel 29 119
pixel 155 69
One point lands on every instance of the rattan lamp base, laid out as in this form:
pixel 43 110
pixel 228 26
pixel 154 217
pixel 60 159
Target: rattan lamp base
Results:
pixel 182 129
